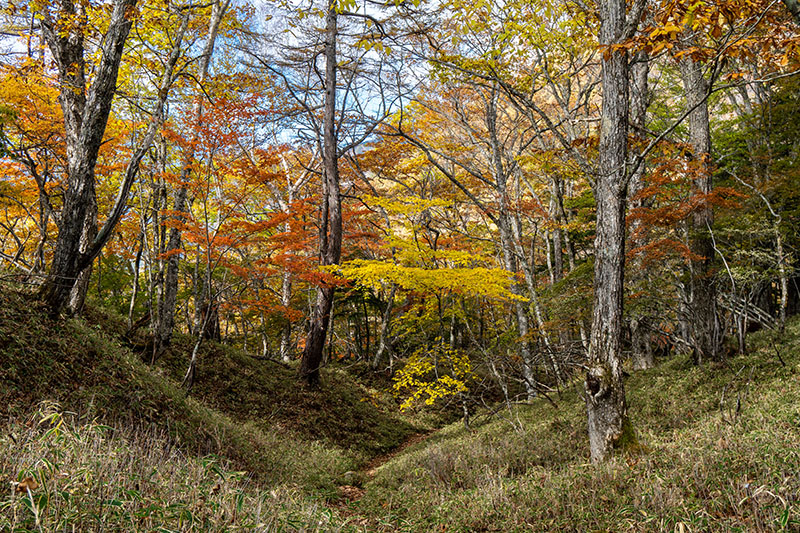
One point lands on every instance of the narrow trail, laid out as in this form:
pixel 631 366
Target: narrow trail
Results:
pixel 351 494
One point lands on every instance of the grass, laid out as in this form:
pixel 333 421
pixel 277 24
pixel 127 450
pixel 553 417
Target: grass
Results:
pixel 249 412
pixel 704 464
pixel 125 449
pixel 80 475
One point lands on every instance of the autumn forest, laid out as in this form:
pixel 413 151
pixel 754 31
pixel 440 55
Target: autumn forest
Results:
pixel 558 235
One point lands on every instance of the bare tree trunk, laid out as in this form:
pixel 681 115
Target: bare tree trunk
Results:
pixel 707 337
pixel 641 347
pixel 331 223
pixel 794 8
pixel 784 279
pixel 77 296
pixel 383 342
pixel 165 323
pixel 135 291
pixel 604 391
pixel 555 217
pixel 286 332
pixel 510 259
pixel 85 118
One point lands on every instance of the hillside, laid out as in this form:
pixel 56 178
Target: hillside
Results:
pixel 718 450
pixel 247 415
pixel 718 446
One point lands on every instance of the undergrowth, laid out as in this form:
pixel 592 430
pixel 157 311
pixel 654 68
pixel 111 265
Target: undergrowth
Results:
pixel 253 413
pixel 70 475
pixel 248 450
pixel 720 451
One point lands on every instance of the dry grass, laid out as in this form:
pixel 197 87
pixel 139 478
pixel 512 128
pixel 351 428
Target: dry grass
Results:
pixel 65 475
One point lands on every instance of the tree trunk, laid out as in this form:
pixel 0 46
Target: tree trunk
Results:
pixel 165 324
pixel 77 296
pixel 604 391
pixel 383 341
pixel 286 332
pixel 794 8
pixel 641 347
pixel 707 338
pixel 507 246
pixel 555 217
pixel 331 220
pixel 85 118
pixel 784 280
pixel 135 291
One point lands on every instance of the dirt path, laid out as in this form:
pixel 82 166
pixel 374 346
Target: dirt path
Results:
pixel 351 493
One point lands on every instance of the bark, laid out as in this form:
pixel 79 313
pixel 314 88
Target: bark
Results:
pixel 507 246
pixel 136 267
pixel 784 279
pixel 706 334
pixel 383 339
pixel 331 220
pixel 85 119
pixel 641 347
pixel 77 296
pixel 286 333
pixel 164 325
pixel 794 8
pixel 555 216
pixel 604 390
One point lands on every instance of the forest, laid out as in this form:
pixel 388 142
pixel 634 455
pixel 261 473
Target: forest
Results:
pixel 495 265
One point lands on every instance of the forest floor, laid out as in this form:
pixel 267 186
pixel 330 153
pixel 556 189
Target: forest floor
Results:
pixel 352 493
pixel 92 438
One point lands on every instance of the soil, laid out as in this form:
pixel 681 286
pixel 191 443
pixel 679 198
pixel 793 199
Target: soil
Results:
pixel 351 493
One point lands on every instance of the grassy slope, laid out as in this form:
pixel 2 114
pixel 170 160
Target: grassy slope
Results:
pixel 702 465
pixel 248 411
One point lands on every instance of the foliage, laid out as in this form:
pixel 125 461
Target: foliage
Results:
pixel 717 444
pixel 431 374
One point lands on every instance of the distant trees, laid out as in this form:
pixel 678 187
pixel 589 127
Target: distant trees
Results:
pixel 164 313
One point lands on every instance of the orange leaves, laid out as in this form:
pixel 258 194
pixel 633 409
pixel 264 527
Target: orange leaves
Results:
pixel 659 250
pixel 323 279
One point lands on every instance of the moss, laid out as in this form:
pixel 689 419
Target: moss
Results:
pixel 628 441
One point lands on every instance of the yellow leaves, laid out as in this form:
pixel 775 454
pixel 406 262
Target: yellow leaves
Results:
pixel 370 43
pixel 476 281
pixel 669 30
pixel 343 6
pixel 432 373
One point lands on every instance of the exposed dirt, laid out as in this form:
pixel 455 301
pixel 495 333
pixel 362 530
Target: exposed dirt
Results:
pixel 350 493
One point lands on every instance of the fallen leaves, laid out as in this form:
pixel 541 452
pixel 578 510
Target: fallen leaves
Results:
pixel 26 485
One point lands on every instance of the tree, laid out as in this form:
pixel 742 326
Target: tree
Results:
pixel 86 113
pixel 604 390
pixel 330 235
pixel 164 315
